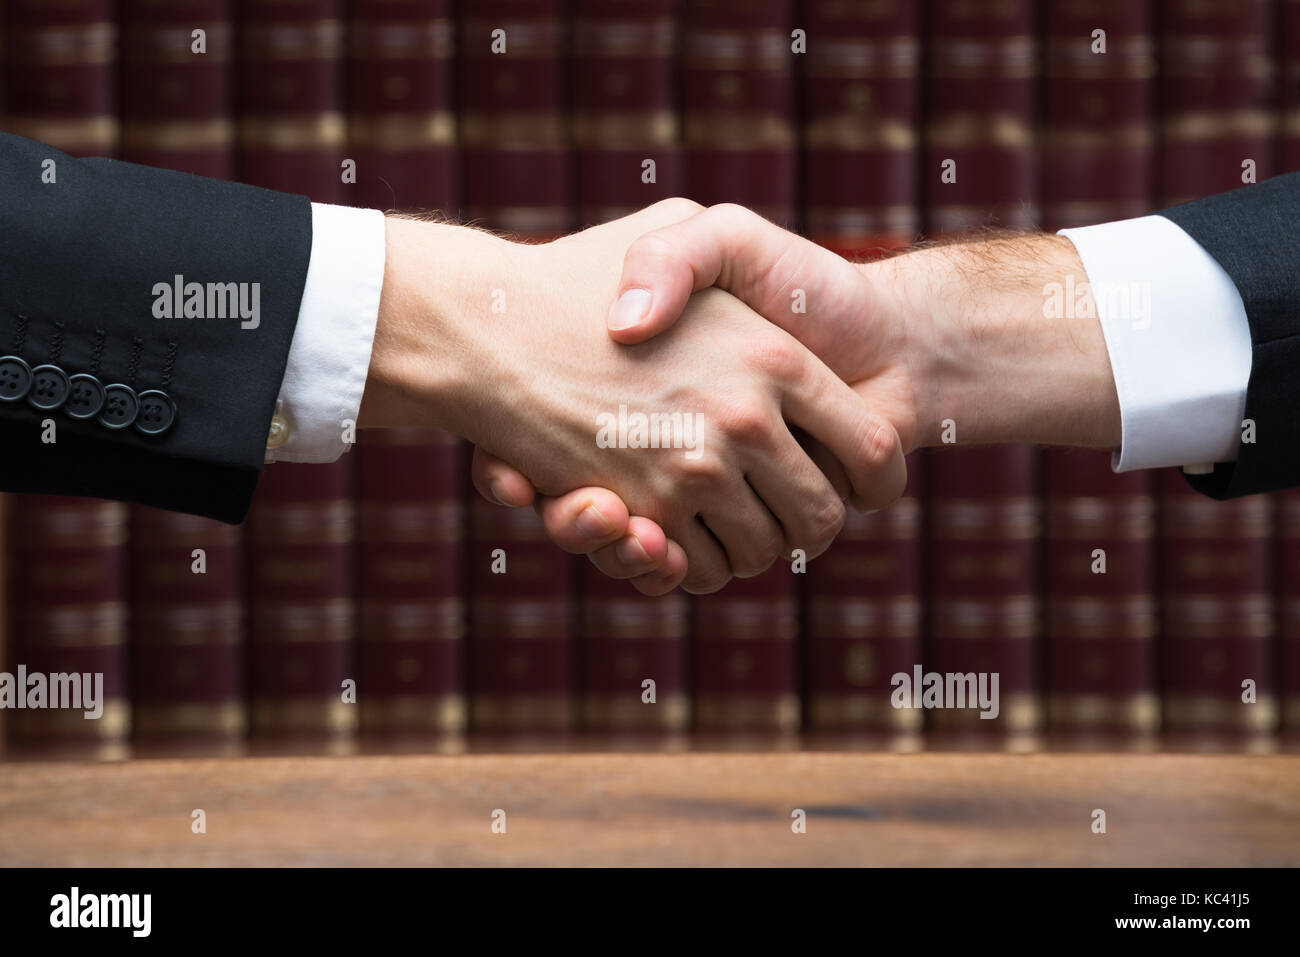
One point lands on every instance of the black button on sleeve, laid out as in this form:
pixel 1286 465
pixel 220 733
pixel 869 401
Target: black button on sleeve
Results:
pixel 121 406
pixel 157 413
pixel 15 379
pixel 49 388
pixel 86 398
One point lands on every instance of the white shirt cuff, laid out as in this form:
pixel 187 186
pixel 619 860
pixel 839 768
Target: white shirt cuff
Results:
pixel 1178 339
pixel 315 418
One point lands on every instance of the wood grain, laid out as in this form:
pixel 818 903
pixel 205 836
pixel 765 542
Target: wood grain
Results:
pixel 686 809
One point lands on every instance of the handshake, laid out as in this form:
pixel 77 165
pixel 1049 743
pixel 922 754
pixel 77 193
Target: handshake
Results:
pixel 689 394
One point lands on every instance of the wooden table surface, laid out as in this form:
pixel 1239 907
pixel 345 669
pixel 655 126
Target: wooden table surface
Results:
pixel 683 809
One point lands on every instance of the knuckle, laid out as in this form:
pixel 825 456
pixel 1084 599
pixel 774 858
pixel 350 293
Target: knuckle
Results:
pixel 745 421
pixel 758 556
pixel 678 206
pixel 704 474
pixel 706 581
pixel 771 356
pixel 878 446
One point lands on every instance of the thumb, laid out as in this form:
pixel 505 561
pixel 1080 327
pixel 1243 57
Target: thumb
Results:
pixel 727 245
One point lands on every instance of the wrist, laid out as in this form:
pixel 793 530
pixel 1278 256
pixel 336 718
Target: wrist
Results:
pixel 1004 344
pixel 438 286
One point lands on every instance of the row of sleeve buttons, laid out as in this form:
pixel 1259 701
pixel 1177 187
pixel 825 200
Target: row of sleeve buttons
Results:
pixel 83 397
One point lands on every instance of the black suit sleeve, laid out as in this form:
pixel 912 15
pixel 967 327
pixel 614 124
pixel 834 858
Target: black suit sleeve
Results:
pixel 1254 234
pixel 171 412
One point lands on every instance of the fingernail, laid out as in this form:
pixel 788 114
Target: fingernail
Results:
pixel 498 488
pixel 630 309
pixel 592 524
pixel 632 552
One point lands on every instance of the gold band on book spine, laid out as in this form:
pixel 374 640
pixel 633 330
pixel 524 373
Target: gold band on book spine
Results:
pixel 1202 711
pixel 982 130
pixel 612 131
pixel 329 715
pixel 544 712
pixel 1217 125
pixel 834 712
pixel 730 712
pixel 429 713
pixel 82 44
pixel 290 42
pixel 289 132
pixel 627 712
pixel 1138 712
pixel 402 131
pixel 114 723
pixel 1017 714
pixel 226 718
pixel 855 132
pixel 179 135
pixel 732 130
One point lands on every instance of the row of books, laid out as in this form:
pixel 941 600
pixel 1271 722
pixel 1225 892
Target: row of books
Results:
pixel 1105 603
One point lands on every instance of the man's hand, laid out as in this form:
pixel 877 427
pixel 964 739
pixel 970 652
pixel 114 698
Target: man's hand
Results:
pixel 962 333
pixel 506 345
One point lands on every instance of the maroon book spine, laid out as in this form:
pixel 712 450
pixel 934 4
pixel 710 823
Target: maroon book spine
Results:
pixel 985 589
pixel 1098 148
pixel 302 616
pixel 628 640
pixel 411 583
pixel 401 117
pixel 1102 615
pixel 1218 96
pixel 863 618
pixel 188 623
pixel 516 157
pixel 71 609
pixel 746 657
pixel 979 160
pixel 625 126
pixel 177 85
pixel 738 88
pixel 1288 580
pixel 60 74
pixel 523 670
pixel 1289 160
pixel 290 97
pixel 1218 616
pixel 860 97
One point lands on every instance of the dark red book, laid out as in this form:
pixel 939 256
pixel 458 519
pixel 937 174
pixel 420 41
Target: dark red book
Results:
pixel 401 116
pixel 1218 615
pixel 1218 96
pixel 980 164
pixel 523 671
pixel 1102 610
pixel 411 583
pixel 290 97
pixel 1288 582
pixel 625 124
pixel 985 587
pixel 746 656
pixel 860 98
pixel 70 617
pixel 60 74
pixel 1218 125
pixel 1098 144
pixel 188 658
pixel 863 618
pixel 628 640
pixel 301 603
pixel 516 158
pixel 177 89
pixel 738 91
pixel 1289 159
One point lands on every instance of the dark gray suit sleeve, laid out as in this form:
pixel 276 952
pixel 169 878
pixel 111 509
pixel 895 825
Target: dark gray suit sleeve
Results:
pixel 1254 234
pixel 166 410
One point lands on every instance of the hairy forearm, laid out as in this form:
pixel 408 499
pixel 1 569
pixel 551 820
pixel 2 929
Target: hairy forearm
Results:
pixel 1000 347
